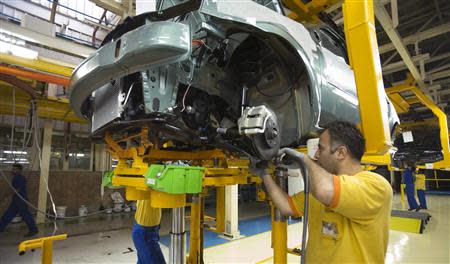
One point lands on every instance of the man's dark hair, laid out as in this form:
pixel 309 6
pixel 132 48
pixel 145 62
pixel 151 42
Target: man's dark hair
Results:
pixel 345 133
pixel 18 167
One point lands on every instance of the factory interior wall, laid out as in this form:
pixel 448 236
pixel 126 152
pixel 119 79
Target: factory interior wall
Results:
pixel 69 188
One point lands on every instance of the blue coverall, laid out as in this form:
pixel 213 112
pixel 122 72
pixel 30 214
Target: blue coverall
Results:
pixel 146 242
pixel 408 179
pixel 18 206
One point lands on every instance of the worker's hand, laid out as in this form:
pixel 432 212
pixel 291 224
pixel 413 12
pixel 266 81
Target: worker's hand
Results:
pixel 291 153
pixel 258 167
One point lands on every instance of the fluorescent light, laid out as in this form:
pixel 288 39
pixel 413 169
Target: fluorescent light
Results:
pixel 14 152
pixel 14 162
pixel 76 154
pixel 15 35
pixel 18 51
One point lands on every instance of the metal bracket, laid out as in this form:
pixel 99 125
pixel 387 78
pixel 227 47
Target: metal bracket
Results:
pixel 254 120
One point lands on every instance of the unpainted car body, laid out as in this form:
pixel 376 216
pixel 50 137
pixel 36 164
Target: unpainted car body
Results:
pixel 240 77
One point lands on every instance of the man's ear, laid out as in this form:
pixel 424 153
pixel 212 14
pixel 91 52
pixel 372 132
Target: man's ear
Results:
pixel 342 152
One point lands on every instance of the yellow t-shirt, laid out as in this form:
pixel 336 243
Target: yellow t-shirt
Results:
pixel 355 228
pixel 420 182
pixel 146 215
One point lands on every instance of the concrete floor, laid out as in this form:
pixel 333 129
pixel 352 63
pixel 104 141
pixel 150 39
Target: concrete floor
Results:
pixel 107 240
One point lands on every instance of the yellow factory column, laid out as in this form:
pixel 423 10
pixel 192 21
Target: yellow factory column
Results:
pixel 359 26
pixel 195 237
pixel 45 166
pixel 220 209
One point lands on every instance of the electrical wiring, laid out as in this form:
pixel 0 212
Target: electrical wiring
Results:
pixel 198 42
pixel 184 97
pixel 36 142
pixel 13 124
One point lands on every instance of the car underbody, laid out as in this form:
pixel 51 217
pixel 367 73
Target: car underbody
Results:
pixel 203 75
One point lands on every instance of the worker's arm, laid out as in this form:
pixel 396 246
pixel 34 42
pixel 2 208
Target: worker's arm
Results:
pixel 279 197
pixel 321 182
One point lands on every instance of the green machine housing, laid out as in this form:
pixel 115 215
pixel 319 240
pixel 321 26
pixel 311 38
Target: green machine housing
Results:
pixel 174 179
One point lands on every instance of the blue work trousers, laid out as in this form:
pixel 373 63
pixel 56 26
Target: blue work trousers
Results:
pixel 18 206
pixel 422 200
pixel 410 196
pixel 146 242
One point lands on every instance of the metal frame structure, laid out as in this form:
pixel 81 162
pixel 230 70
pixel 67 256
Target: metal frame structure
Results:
pixel 221 170
pixel 402 105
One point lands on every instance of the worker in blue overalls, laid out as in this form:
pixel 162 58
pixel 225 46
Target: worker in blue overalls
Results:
pixel 420 188
pixel 408 180
pixel 18 205
pixel 146 233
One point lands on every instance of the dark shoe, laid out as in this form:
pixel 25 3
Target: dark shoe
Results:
pixel 417 210
pixel 31 233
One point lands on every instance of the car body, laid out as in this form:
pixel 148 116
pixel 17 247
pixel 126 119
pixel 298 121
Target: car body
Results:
pixel 243 78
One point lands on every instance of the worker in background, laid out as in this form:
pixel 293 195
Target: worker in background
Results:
pixel 408 180
pixel 18 205
pixel 349 208
pixel 420 188
pixel 146 233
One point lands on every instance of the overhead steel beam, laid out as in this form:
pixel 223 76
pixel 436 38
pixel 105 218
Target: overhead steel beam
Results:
pixel 394 54
pixel 394 11
pixel 386 22
pixel 436 4
pixel 53 13
pixel 438 69
pixel 398 64
pixel 438 75
pixel 427 61
pixel 112 6
pixel 38 65
pixel 65 46
pixel 423 35
pixel 339 19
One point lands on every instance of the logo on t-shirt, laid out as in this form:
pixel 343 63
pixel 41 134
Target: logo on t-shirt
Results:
pixel 330 229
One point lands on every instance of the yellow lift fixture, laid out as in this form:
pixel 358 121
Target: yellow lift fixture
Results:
pixel 402 105
pixel 46 243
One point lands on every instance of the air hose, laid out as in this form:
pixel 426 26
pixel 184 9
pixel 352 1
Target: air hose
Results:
pixel 305 210
pixel 298 159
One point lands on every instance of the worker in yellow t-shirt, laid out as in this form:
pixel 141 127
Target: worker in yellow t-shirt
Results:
pixel 146 233
pixel 349 209
pixel 420 189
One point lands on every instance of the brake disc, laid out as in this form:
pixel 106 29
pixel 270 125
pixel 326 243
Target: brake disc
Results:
pixel 267 144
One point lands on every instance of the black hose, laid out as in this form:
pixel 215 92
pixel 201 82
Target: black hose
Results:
pixel 305 210
pixel 298 159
